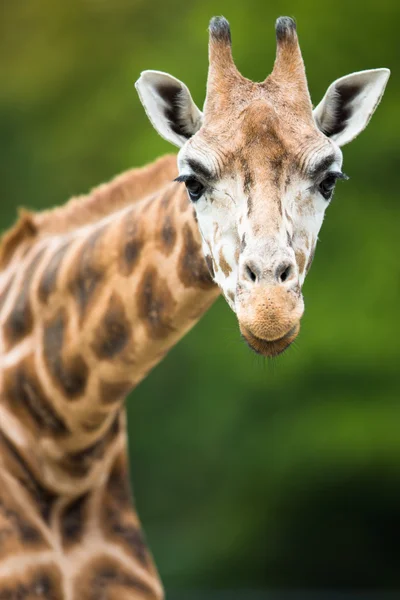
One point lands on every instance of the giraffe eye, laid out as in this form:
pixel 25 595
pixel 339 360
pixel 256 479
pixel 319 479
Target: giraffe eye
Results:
pixel 195 188
pixel 327 186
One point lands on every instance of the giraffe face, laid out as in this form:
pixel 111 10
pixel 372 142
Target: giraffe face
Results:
pixel 260 196
pixel 260 167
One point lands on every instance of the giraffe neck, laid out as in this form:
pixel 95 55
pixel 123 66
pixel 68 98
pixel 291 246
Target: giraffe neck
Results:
pixel 85 314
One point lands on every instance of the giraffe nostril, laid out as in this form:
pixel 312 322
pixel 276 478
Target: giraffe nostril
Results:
pixel 283 272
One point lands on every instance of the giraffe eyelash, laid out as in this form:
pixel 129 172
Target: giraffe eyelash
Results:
pixel 183 178
pixel 337 174
pixel 195 188
pixel 340 175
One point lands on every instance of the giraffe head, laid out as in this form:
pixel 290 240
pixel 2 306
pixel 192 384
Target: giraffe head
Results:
pixel 260 166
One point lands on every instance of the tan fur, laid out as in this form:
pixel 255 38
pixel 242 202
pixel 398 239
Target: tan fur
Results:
pixel 101 290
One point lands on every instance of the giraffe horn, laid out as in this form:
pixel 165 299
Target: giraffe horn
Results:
pixel 289 65
pixel 222 72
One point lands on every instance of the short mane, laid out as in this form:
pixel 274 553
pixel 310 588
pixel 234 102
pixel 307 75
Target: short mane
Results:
pixel 125 189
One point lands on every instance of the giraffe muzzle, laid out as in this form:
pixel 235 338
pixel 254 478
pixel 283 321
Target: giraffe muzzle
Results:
pixel 269 317
pixel 269 348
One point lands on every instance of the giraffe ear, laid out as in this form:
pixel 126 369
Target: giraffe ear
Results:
pixel 349 103
pixel 169 106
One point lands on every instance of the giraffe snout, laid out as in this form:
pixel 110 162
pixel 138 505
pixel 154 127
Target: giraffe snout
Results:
pixel 269 313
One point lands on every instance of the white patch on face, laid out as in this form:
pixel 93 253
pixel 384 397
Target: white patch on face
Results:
pixel 308 211
pixel 217 213
pixel 306 229
pixel 222 215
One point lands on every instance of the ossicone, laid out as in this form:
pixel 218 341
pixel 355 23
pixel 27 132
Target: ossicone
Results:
pixel 285 29
pixel 220 30
pixel 223 75
pixel 289 67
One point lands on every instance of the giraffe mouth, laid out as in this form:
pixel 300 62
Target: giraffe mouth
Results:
pixel 270 348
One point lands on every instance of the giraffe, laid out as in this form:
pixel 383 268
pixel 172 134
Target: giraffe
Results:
pixel 94 294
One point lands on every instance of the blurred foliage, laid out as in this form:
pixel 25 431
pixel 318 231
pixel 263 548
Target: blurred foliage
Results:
pixel 247 473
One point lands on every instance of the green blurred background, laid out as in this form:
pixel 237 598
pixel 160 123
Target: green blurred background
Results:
pixel 248 474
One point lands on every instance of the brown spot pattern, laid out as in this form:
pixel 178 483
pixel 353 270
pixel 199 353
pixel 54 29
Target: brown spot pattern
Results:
pixel 110 392
pixel 119 522
pixel 36 583
pixel 118 486
pixel 114 332
pixel 72 521
pixel 20 319
pixel 132 244
pixel 168 235
pixel 87 272
pixel 224 265
pixel 41 498
pixel 27 398
pixel 121 528
pixel 16 530
pixel 192 268
pixel 155 304
pixel 48 280
pixel 301 260
pixel 79 463
pixel 104 577
pixel 70 374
